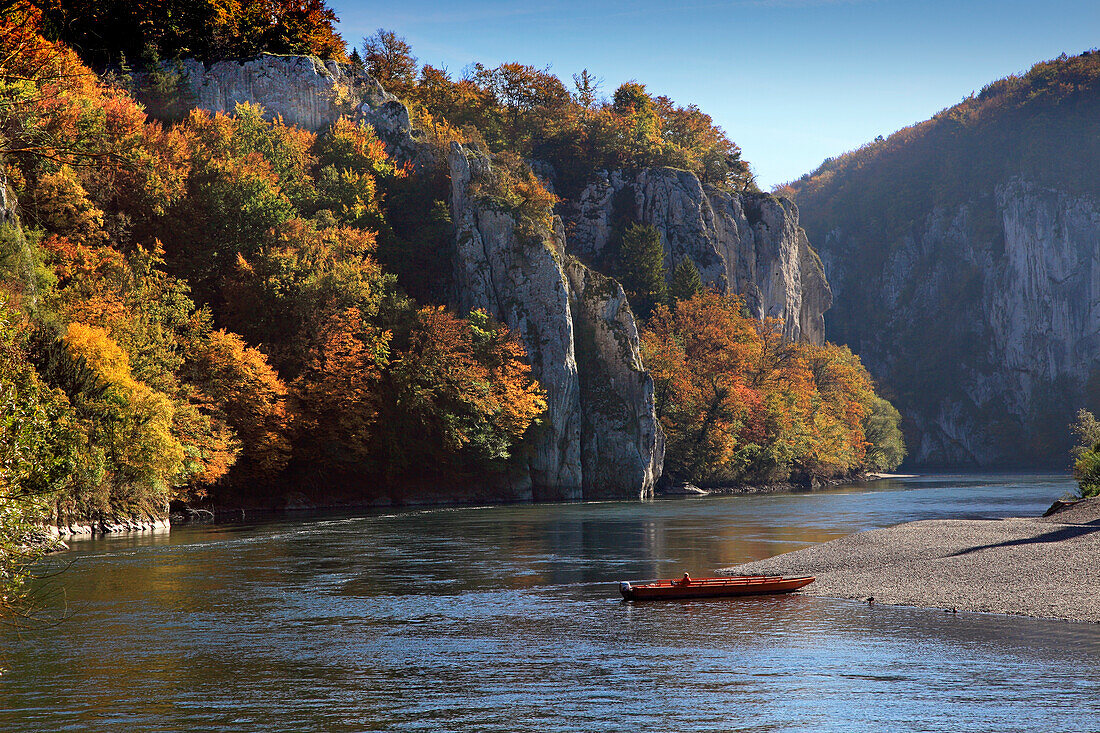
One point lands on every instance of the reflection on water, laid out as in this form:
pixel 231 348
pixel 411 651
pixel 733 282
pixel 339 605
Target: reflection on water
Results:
pixel 507 618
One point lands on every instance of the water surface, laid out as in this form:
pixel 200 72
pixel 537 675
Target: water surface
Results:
pixel 508 618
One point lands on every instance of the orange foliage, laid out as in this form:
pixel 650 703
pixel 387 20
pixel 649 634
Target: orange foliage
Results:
pixel 739 403
pixel 462 387
pixel 237 385
pixel 337 393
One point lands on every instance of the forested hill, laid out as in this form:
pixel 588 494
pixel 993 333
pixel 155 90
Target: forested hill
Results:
pixel 205 302
pixel 962 252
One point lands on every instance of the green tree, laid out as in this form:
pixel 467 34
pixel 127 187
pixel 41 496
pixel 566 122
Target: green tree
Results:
pixel 1086 454
pixel 886 445
pixel 641 268
pixel 37 456
pixel 685 283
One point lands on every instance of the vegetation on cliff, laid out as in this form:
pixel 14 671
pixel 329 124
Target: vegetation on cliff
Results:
pixel 198 308
pixel 530 112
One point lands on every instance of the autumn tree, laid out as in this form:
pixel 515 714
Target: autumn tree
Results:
pixel 700 354
pixel 235 384
pixel 106 33
pixel 339 396
pixel 464 389
pixel 389 59
pixel 740 403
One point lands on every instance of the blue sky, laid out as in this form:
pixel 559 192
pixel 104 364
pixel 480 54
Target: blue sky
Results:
pixel 791 81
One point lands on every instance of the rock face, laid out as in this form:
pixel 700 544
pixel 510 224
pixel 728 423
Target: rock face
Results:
pixel 303 90
pixel 306 92
pixel 522 285
pixel 747 244
pixel 8 213
pixel 622 446
pixel 114 525
pixel 985 321
pixel 600 437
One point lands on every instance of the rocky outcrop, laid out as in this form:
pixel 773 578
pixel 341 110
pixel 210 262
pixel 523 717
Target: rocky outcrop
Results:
pixel 522 285
pixel 307 92
pixel 600 437
pixel 303 90
pixel 985 322
pixel 749 244
pixel 8 213
pixel 622 446
pixel 109 525
pixel 577 452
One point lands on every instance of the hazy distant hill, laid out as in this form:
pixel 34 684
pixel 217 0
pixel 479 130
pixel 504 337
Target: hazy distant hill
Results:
pixel 963 256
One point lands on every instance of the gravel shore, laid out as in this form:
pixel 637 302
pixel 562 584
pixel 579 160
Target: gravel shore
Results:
pixel 1043 567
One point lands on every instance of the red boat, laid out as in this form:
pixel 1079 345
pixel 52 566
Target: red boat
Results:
pixel 736 585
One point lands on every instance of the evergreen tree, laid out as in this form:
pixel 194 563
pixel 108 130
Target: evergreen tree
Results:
pixel 686 283
pixel 588 87
pixel 356 61
pixel 642 268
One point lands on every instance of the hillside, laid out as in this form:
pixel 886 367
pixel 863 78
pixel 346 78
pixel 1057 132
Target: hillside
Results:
pixel 284 285
pixel 962 253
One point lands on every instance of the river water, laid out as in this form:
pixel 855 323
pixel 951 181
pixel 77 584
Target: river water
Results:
pixel 508 619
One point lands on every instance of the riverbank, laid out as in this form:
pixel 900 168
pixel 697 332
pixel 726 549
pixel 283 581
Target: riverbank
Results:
pixel 784 487
pixel 1043 567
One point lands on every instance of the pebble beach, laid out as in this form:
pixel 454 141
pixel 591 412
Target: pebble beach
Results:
pixel 1046 567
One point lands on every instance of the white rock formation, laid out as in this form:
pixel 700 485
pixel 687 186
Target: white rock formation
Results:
pixel 746 244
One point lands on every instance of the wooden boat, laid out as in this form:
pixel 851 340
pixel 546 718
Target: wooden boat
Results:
pixel 734 585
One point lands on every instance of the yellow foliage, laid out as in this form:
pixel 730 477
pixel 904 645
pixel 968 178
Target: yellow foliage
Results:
pixel 141 437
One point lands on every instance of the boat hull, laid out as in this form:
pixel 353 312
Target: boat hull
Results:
pixel 744 585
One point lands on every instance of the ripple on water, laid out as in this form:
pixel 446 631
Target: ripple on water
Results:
pixel 508 618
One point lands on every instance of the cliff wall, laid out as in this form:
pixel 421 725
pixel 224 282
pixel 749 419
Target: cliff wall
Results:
pixel 749 244
pixel 600 437
pixel 985 321
pixel 303 90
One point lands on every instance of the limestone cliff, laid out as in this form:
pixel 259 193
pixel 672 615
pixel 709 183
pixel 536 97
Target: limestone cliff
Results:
pixel 303 90
pixel 600 437
pixel 521 284
pixel 7 201
pixel 748 244
pixel 578 451
pixel 985 320
pixel 621 440
pixel 306 92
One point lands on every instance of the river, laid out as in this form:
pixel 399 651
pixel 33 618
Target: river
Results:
pixel 508 618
